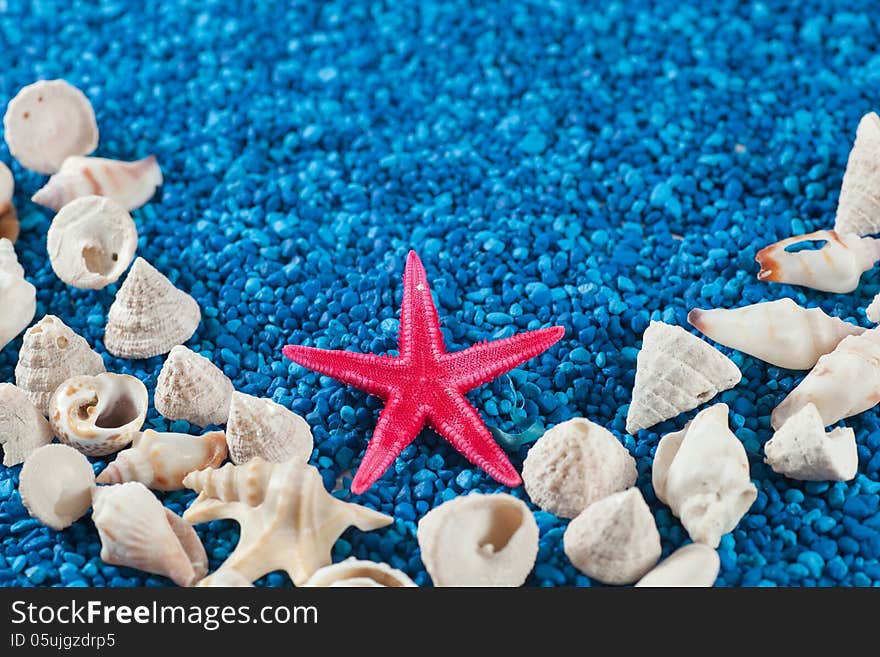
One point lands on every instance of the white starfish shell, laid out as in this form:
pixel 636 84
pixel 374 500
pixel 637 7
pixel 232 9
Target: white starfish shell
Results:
pixel 261 428
pixel 357 573
pixel 190 387
pixel 694 565
pixel 858 207
pixel 56 485
pixel 9 227
pixel 22 427
pixel 18 297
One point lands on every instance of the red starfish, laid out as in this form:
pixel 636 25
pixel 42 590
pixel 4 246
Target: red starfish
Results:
pixel 425 385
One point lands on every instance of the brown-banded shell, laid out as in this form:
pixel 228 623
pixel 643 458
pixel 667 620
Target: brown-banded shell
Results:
pixel 261 428
pixel 56 485
pixel 358 573
pixel 22 427
pixel 190 387
pixel 18 297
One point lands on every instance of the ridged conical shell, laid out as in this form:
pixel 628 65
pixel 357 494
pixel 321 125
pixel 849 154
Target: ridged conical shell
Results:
pixel 192 388
pixel 56 485
pixel 858 207
pixel 18 298
pixel 22 427
pixel 233 483
pixel 261 428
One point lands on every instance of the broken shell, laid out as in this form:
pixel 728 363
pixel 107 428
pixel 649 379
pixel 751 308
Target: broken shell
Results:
pixel 614 540
pixel 872 312
pixel 18 297
pixel 835 267
pixel 802 450
pixel 675 372
pixel 149 315
pixel 356 573
pixel 130 184
pixel 702 474
pixel 138 532
pixel 9 227
pixel 98 415
pixel 47 122
pixel 694 565
pixel 192 388
pixel 225 577
pixel 56 485
pixel 51 353
pixel 261 428
pixel 479 540
pixel 161 460
pixel 575 464
pixel 858 206
pixel 22 427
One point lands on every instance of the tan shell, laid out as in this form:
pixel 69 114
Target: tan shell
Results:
pixel 47 122
pixel 261 428
pixel 858 207
pixel 98 415
pixel 575 464
pixel 694 565
pixel 225 578
pixel 22 427
pixel 18 298
pixel 479 540
pixel 356 573
pixel 192 388
pixel 9 227
pixel 56 485
pixel 149 315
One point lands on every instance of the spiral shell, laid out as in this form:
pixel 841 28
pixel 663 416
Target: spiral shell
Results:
pixel 190 387
pixel 357 573
pixel 261 428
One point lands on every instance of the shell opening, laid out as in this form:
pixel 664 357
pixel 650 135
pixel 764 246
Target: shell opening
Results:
pixel 505 521
pixel 97 261
pixel 806 245
pixel 122 411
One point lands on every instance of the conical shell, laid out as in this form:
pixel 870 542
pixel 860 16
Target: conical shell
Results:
pixel 780 332
pixel 261 428
pixel 245 483
pixel 130 184
pixel 138 532
pixel 872 312
pixel 47 122
pixel 356 573
pixel 575 464
pixel 675 372
pixel 9 227
pixel 161 460
pixel 694 565
pixel 702 474
pixel 225 578
pixel 479 540
pixel 192 388
pixel 22 427
pixel 858 207
pixel 614 540
pixel 56 485
pixel 51 353
pixel 18 297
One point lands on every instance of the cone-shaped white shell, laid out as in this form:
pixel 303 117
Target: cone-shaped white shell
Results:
pixel 675 372
pixel 575 464
pixel 18 298
pixel 479 540
pixel 243 483
pixel 872 312
pixel 780 332
pixel 192 388
pixel 702 474
pixel 130 184
pixel 8 216
pixel 51 353
pixel 149 315
pixel 47 122
pixel 694 565
pixel 858 207
pixel 56 485
pixel 22 427
pixel 261 428
pixel 356 573
pixel 225 578
pixel 614 540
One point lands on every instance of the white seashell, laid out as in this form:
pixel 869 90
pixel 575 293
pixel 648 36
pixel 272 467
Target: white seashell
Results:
pixel 702 474
pixel 98 415
pixel 149 315
pixel 9 227
pixel 161 460
pixel 694 565
pixel 138 532
pixel 356 573
pixel 130 184
pixel 675 372
pixel 479 540
pixel 781 333
pixel 836 267
pixel 801 449
pixel 872 312
pixel 858 207
pixel 288 520
pixel 18 297
pixel 22 427
pixel 227 578
pixel 575 464
pixel 192 388
pixel 51 353
pixel 47 122
pixel 56 485
pixel 261 428
pixel 614 540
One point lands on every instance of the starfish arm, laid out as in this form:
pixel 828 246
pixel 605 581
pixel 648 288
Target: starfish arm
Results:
pixel 368 372
pixel 419 322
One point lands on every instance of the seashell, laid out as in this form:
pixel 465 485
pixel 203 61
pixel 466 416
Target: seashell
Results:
pixel 138 532
pixel 149 315
pixel 129 184
pixel 22 427
pixel 161 460
pixel 56 485
pixel 835 267
pixel 694 565
pixel 51 353
pixel 225 577
pixel 702 474
pixel 614 540
pixel 47 122
pixel 356 573
pixel 18 297
pixel 675 372
pixel 858 207
pixel 98 415
pixel 261 428
pixel 575 464
pixel 801 449
pixel 872 312
pixel 288 520
pixel 192 388
pixel 843 383
pixel 9 227
pixel 91 242
pixel 781 333
pixel 479 540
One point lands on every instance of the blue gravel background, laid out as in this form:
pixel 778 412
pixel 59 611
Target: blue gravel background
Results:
pixel 589 164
